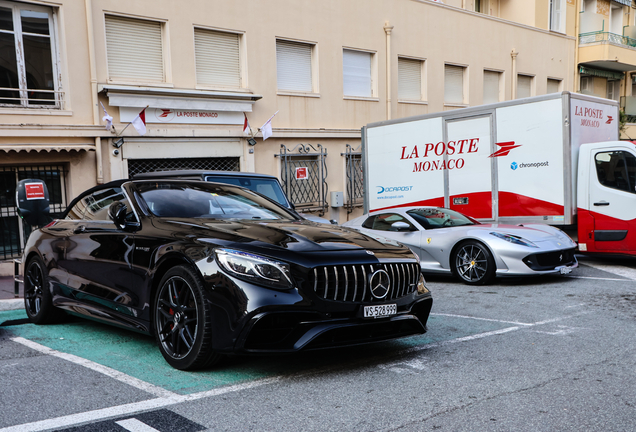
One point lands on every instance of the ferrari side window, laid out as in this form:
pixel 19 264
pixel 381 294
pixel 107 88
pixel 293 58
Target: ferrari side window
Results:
pixel 384 222
pixel 369 222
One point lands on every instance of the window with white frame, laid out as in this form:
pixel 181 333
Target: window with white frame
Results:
pixel 134 49
pixel 524 86
pixel 554 85
pixel 492 86
pixel 357 79
pixel 217 57
pixel 613 89
pixel 557 16
pixel 28 56
pixel 410 79
pixel 454 85
pixel 294 71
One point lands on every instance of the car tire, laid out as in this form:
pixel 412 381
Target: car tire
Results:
pixel 183 321
pixel 473 264
pixel 38 300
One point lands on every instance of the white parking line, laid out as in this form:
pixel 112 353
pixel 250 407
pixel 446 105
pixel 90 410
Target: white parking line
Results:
pixel 173 398
pixel 119 376
pixel 134 425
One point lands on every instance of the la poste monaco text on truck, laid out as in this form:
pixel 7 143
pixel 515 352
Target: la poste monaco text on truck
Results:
pixel 553 159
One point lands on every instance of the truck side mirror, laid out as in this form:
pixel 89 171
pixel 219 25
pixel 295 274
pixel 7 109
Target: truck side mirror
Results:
pixel 32 198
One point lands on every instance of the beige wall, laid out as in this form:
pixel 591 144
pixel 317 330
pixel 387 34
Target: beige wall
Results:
pixel 434 32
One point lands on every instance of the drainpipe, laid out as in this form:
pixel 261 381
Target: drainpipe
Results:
pixel 514 55
pixel 387 30
pixel 577 29
pixel 94 99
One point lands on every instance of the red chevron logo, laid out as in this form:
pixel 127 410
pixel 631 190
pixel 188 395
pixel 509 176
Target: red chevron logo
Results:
pixel 609 120
pixel 505 148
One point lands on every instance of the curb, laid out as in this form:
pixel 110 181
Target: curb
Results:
pixel 11 304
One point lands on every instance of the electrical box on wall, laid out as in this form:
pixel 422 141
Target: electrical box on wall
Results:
pixel 337 199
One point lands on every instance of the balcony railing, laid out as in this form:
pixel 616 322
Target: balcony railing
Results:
pixel 594 37
pixel 31 98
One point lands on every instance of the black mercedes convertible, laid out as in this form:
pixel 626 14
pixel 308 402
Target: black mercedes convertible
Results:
pixel 211 269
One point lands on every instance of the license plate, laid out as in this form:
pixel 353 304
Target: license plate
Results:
pixel 565 270
pixel 380 311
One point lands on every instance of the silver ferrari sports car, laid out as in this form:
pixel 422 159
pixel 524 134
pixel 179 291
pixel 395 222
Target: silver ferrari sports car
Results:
pixel 450 242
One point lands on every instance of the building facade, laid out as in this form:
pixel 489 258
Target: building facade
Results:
pixel 322 69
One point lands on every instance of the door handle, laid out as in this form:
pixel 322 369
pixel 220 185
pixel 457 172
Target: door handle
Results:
pixel 602 203
pixel 79 229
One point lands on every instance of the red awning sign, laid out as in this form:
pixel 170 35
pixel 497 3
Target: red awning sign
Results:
pixel 34 191
pixel 301 173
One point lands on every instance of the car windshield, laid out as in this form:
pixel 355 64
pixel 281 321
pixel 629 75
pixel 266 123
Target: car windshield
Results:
pixel 182 200
pixel 431 218
pixel 268 187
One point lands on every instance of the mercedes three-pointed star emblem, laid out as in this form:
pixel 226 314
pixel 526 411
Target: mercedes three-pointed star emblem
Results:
pixel 380 283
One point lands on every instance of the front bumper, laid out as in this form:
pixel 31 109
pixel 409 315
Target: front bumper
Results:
pixel 289 330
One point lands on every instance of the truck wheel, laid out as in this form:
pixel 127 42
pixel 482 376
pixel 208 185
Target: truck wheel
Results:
pixel 183 320
pixel 37 294
pixel 473 263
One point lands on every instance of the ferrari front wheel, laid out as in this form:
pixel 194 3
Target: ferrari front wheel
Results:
pixel 473 263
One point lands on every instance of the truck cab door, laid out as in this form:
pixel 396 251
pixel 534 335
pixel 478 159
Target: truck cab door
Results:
pixel 612 200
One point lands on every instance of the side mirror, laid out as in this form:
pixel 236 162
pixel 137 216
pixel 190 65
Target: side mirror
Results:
pixel 400 226
pixel 32 198
pixel 117 213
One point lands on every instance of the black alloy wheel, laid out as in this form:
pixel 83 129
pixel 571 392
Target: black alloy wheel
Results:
pixel 473 263
pixel 182 320
pixel 37 294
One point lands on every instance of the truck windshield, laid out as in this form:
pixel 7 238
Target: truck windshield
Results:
pixel 268 187
pixel 431 218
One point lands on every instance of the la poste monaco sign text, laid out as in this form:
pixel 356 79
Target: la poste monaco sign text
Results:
pixel 177 116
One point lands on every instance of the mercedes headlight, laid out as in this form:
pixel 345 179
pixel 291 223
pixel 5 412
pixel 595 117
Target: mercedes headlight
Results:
pixel 255 268
pixel 514 239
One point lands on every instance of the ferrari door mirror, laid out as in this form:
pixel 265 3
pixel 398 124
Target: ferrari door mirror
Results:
pixel 117 213
pixel 400 226
pixel 32 199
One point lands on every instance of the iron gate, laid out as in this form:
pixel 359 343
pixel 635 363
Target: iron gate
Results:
pixel 13 230
pixel 304 176
pixel 353 158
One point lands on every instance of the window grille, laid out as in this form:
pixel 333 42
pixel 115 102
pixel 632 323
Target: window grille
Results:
pixel 304 176
pixel 13 231
pixel 355 179
pixel 137 166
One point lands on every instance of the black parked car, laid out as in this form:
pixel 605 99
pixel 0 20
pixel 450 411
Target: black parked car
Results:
pixel 211 268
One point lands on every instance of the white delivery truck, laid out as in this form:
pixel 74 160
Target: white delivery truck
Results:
pixel 553 159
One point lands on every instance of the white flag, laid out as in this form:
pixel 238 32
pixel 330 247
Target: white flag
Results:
pixel 266 129
pixel 108 119
pixel 139 122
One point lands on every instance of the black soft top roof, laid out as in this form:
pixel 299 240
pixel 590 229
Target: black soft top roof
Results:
pixel 197 174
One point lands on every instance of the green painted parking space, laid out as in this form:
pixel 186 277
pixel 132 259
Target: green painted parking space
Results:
pixel 138 356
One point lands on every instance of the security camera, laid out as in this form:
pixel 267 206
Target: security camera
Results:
pixel 115 152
